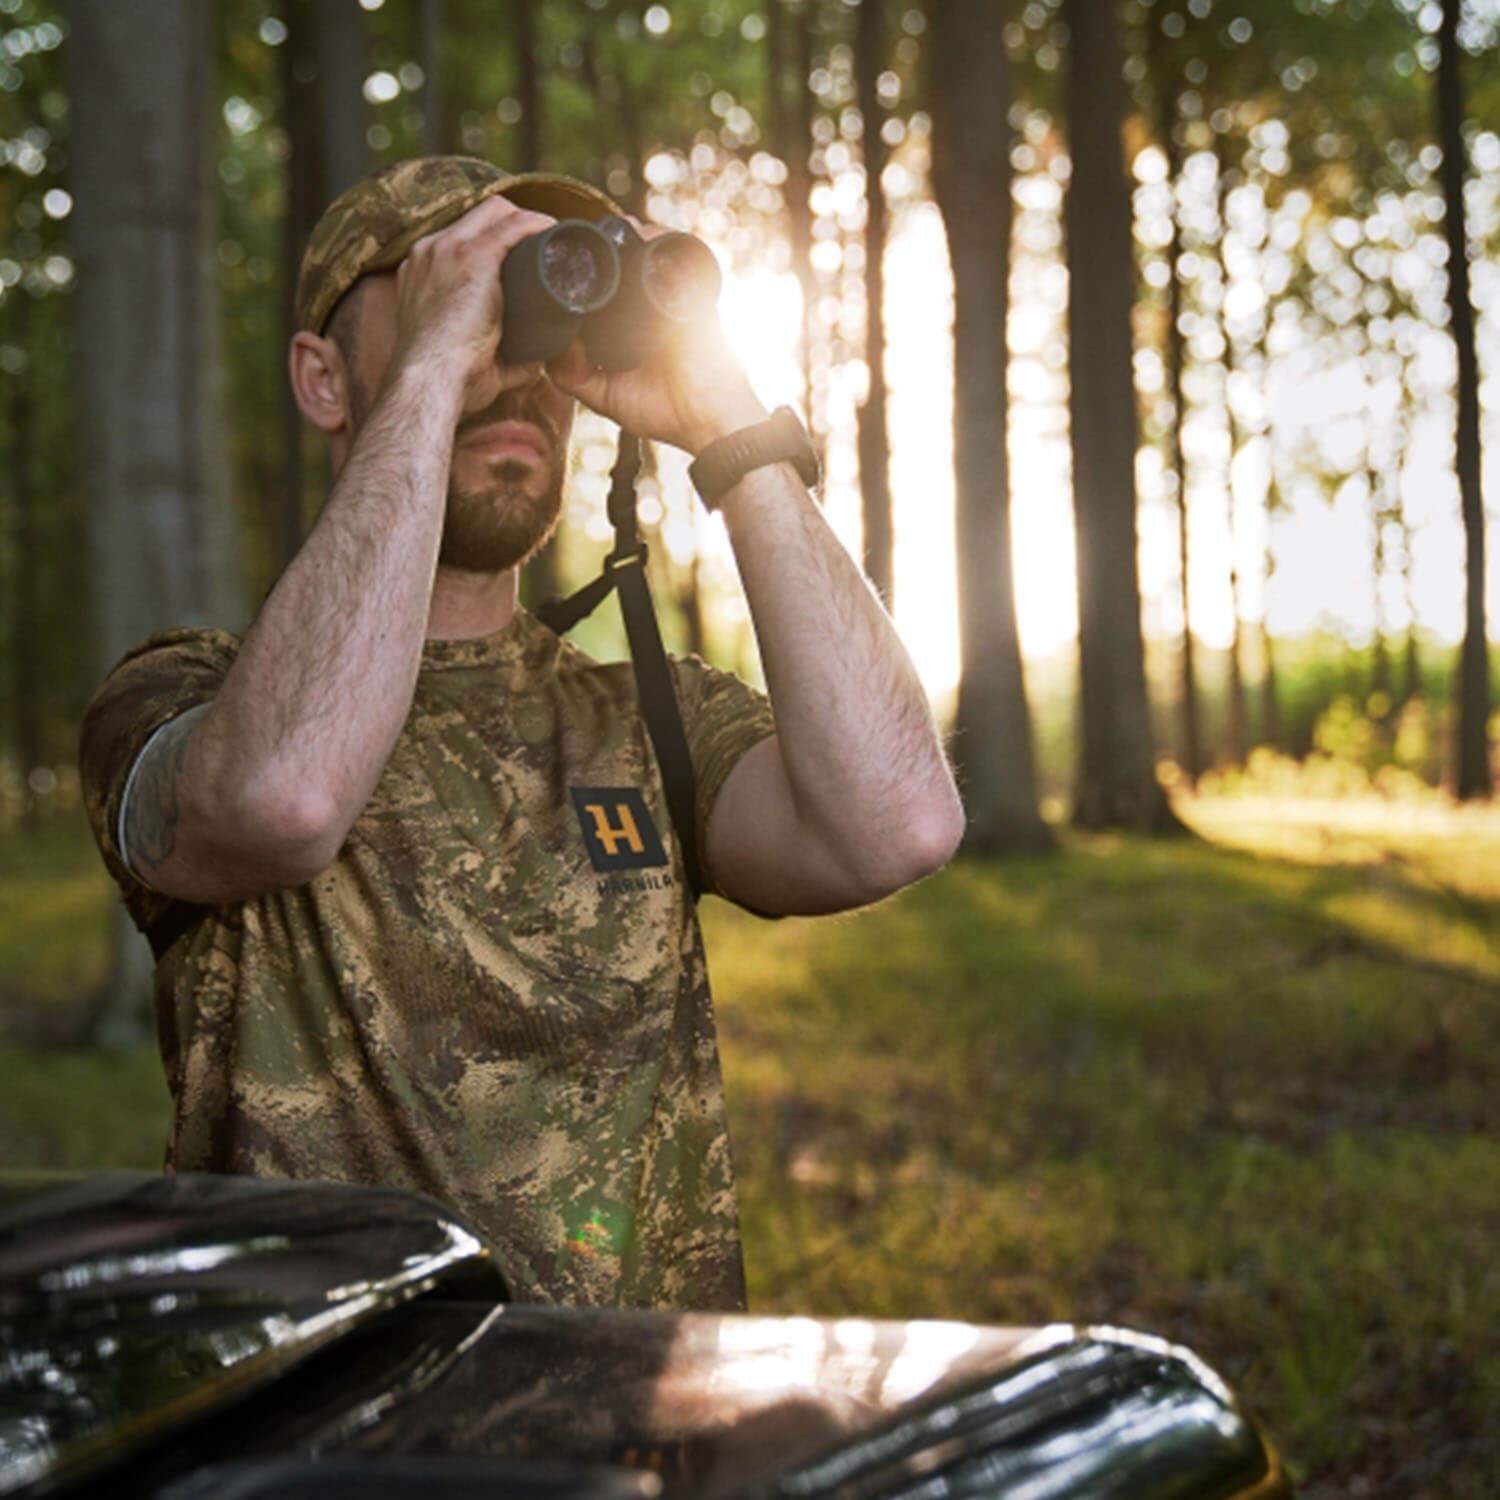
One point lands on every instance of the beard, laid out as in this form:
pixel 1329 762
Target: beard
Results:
pixel 503 523
pixel 499 523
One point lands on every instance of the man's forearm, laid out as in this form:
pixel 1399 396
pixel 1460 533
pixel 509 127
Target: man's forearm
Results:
pixel 308 713
pixel 861 755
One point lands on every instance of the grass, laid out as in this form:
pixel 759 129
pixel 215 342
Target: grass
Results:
pixel 1247 1101
pixel 1241 1090
pixel 54 891
pixel 65 1108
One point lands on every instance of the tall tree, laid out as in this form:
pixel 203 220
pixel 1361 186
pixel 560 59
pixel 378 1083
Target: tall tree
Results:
pixel 1473 769
pixel 873 433
pixel 789 62
pixel 971 177
pixel 430 58
pixel 1275 505
pixel 326 120
pixel 148 378
pixel 1167 125
pixel 29 642
pixel 528 82
pixel 618 163
pixel 540 579
pixel 1237 719
pixel 1117 785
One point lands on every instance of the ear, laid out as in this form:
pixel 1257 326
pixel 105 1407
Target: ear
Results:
pixel 320 381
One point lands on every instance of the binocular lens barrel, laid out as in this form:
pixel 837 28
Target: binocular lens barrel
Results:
pixel 622 292
pixel 550 281
pixel 679 276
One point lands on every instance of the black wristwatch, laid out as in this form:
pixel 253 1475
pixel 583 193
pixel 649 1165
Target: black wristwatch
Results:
pixel 726 460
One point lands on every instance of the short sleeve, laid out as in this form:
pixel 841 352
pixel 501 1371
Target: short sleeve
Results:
pixel 723 718
pixel 160 679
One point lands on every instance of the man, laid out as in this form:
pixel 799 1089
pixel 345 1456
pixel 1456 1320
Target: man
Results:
pixel 373 843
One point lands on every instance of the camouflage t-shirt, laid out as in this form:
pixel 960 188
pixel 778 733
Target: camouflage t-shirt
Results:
pixel 495 995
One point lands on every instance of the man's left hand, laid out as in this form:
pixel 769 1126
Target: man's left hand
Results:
pixel 688 393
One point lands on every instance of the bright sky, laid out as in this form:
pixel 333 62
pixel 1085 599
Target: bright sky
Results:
pixel 1322 415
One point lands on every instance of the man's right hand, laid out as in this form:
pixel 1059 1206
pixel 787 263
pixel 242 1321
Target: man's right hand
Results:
pixel 449 304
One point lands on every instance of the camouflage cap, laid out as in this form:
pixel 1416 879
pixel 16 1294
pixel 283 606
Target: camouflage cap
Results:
pixel 373 225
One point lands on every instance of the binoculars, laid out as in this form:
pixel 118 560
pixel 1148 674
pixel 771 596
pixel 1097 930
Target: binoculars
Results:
pixel 624 294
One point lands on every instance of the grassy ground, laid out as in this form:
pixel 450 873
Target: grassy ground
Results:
pixel 1243 1100
pixel 1242 1091
pixel 62 1107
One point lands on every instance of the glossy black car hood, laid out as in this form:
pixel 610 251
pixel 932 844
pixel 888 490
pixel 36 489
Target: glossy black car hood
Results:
pixel 198 1338
pixel 132 1304
pixel 800 1407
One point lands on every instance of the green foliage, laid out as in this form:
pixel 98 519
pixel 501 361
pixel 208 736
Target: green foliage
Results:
pixel 65 1109
pixel 54 897
pixel 42 566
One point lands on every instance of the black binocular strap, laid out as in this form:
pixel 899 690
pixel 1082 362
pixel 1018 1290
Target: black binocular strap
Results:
pixel 625 573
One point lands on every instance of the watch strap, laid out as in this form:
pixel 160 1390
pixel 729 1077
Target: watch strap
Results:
pixel 726 460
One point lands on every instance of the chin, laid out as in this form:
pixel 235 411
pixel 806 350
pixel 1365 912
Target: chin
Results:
pixel 496 528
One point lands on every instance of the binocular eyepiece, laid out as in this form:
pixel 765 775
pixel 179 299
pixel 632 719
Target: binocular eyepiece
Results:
pixel 624 293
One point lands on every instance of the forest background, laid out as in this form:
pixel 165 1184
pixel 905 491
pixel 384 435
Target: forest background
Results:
pixel 1159 420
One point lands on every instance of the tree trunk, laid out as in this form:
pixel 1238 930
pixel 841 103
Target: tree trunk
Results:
pixel 1411 665
pixel 28 638
pixel 160 527
pixel 1411 669
pixel 1473 768
pixel 1380 661
pixel 873 436
pixel 541 578
pixel 1270 727
pixel 689 593
pixel 1396 512
pixel 343 116
pixel 602 87
pixel 789 56
pixel 304 202
pixel 1176 467
pixel 631 138
pixel 325 116
pixel 1238 718
pixel 529 85
pixel 1270 704
pixel 971 176
pixel 430 59
pixel 618 129
pixel 1117 785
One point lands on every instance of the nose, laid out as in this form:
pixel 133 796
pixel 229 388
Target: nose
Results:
pixel 520 377
pixel 501 380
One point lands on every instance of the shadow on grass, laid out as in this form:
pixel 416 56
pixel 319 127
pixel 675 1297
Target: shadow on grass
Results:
pixel 1243 1101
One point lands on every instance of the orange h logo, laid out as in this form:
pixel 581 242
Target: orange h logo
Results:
pixel 617 828
pixel 610 837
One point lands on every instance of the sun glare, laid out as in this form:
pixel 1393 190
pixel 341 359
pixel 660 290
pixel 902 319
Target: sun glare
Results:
pixel 1320 539
pixel 762 314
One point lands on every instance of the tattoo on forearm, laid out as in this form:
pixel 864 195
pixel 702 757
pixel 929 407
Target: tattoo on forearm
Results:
pixel 151 808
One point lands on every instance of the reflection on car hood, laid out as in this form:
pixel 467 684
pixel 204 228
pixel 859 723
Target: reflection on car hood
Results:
pixel 131 1304
pixel 800 1407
